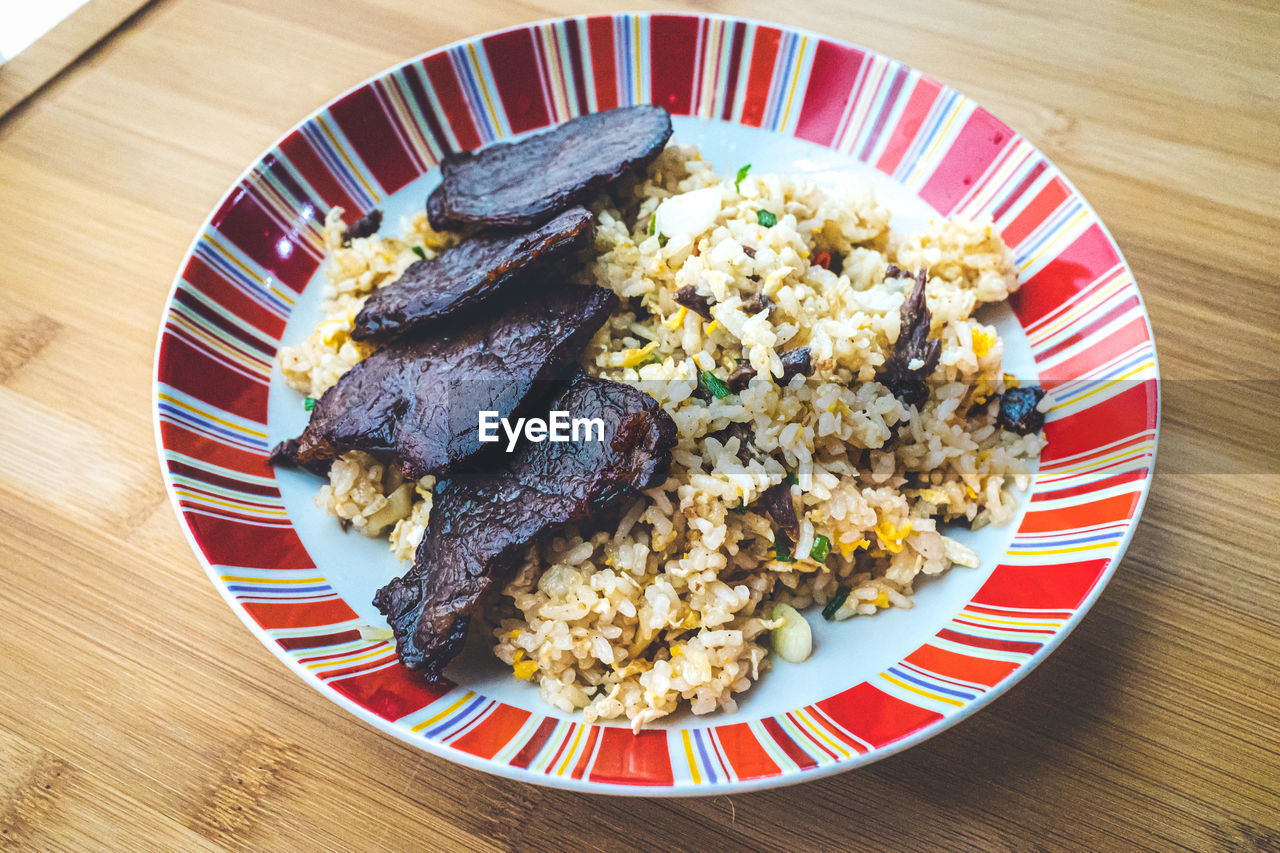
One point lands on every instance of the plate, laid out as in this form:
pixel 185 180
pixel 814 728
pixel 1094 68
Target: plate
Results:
pixel 784 100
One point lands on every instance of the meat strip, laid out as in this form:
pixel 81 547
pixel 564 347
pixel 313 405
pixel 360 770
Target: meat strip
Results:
pixel 689 297
pixel 1018 410
pixel 777 501
pixel 906 382
pixel 794 362
pixel 777 498
pixel 740 378
pixel 522 183
pixel 469 273
pixel 481 526
pixel 365 226
pixel 420 401
pixel 285 455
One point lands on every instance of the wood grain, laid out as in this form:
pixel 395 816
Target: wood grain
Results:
pixel 24 74
pixel 138 713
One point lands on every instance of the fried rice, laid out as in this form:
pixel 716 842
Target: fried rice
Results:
pixel 671 604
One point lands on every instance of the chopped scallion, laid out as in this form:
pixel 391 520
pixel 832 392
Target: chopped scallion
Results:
pixel 653 223
pixel 662 241
pixel 781 552
pixel 420 252
pixel 793 479
pixel 821 548
pixel 765 218
pixel 309 403
pixel 742 173
pixel 836 602
pixel 654 357
pixel 717 388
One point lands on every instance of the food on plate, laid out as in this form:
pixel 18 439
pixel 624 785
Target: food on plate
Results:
pixel 482 525
pixel 795 362
pixel 475 270
pixel 915 355
pixel 365 226
pixel 525 182
pixel 1019 409
pixel 417 401
pixel 834 403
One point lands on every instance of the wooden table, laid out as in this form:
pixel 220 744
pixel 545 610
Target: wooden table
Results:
pixel 135 710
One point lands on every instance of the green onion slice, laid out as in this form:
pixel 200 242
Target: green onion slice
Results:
pixel 717 388
pixel 836 602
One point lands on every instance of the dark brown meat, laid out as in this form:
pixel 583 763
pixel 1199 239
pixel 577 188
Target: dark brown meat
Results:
pixel 795 362
pixel 743 432
pixel 365 226
pixel 754 303
pixel 436 213
pixel 740 378
pixel 526 182
pixel 1018 410
pixel 689 297
pixel 908 383
pixel 777 501
pixel 284 454
pixel 471 272
pixel 482 525
pixel 420 401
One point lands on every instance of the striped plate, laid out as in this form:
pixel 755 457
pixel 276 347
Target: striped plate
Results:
pixel 785 100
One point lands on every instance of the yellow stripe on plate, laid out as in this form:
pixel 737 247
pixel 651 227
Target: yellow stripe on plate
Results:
pixel 693 762
pixel 918 692
pixel 466 697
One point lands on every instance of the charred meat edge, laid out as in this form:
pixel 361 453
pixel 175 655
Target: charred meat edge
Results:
pixel 470 274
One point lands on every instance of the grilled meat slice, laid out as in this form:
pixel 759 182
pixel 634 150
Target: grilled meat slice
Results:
pixel 420 401
pixel 481 525
pixel 468 274
pixel 522 183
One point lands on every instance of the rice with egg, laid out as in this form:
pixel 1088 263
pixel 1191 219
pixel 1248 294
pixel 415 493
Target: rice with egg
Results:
pixel 671 603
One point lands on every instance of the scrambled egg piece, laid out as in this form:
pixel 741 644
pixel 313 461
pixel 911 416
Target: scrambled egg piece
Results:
pixel 891 537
